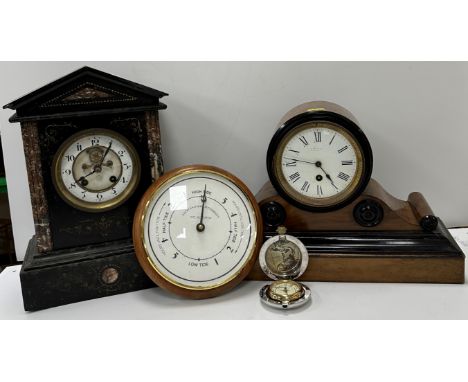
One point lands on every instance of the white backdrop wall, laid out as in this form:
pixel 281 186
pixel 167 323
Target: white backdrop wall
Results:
pixel 224 113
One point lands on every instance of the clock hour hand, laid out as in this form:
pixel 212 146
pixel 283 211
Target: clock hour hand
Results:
pixel 201 226
pixel 319 165
pixel 97 168
pixel 83 180
pixel 91 173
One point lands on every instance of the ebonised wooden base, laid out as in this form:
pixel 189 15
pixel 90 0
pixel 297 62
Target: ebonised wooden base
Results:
pixel 407 245
pixel 85 273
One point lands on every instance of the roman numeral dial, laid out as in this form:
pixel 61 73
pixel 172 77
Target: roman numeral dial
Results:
pixel 319 159
pixel 319 163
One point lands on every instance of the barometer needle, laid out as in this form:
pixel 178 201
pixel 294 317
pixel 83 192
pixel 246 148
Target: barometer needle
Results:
pixel 201 226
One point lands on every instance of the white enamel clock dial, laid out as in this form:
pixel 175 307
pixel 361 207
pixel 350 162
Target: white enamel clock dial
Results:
pixel 319 164
pixel 199 230
pixel 315 153
pixel 96 170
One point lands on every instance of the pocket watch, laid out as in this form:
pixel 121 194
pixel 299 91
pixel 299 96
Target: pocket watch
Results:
pixel 319 159
pixel 284 258
pixel 197 231
pixel 96 170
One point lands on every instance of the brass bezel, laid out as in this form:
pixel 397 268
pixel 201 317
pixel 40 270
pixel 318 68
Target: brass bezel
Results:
pixel 310 200
pixel 142 251
pixel 87 206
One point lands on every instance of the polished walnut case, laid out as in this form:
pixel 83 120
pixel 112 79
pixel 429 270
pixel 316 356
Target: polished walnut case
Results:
pixel 75 254
pixel 374 238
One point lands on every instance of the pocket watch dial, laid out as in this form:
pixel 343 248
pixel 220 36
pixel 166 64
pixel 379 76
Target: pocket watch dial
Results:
pixel 318 164
pixel 96 170
pixel 285 290
pixel 199 230
pixel 285 294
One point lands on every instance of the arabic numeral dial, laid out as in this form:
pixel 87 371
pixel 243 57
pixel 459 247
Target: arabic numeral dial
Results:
pixel 96 170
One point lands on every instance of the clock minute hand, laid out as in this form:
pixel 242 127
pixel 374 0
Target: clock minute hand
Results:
pixel 303 161
pixel 201 226
pixel 105 154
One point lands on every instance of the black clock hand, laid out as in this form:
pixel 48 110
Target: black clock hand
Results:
pixel 107 152
pixel 201 226
pixel 98 167
pixel 319 165
pixel 83 180
pixel 91 173
pixel 303 161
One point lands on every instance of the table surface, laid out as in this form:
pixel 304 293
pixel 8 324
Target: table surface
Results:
pixel 329 301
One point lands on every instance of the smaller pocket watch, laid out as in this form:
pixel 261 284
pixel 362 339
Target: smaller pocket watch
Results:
pixel 284 258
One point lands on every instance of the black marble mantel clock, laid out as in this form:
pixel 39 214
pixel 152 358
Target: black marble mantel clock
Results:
pixel 92 146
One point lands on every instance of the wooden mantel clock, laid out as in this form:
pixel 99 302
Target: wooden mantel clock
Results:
pixel 320 164
pixel 92 146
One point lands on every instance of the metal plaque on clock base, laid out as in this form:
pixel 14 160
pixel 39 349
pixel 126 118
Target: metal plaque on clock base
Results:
pixel 78 274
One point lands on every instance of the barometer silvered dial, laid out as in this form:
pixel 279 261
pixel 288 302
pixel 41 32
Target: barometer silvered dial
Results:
pixel 197 231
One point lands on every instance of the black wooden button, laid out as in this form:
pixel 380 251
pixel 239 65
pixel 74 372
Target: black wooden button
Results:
pixel 273 214
pixel 368 213
pixel 429 223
